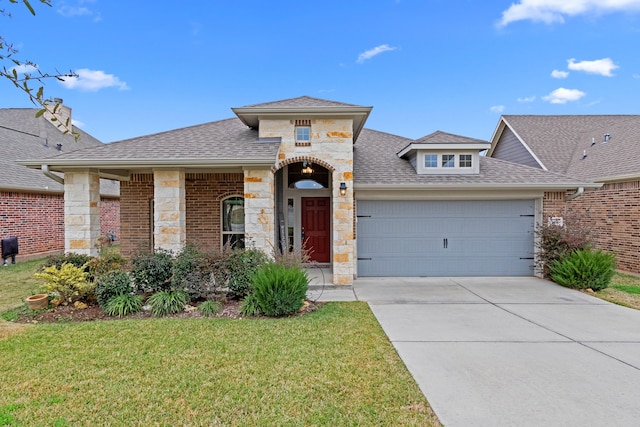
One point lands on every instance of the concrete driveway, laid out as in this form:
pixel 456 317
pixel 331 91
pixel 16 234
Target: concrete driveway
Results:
pixel 512 351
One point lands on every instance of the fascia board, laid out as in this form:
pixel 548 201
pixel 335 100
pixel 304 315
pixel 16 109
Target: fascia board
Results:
pixel 481 186
pixel 618 178
pixel 58 164
pixel 452 147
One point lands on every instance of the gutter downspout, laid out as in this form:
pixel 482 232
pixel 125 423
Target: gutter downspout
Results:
pixel 47 172
pixel 577 194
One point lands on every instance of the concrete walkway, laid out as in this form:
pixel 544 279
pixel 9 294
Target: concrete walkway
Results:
pixel 511 351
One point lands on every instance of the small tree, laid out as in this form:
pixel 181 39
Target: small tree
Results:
pixel 556 242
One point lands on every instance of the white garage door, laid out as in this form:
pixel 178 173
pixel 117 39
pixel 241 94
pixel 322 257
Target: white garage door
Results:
pixel 445 238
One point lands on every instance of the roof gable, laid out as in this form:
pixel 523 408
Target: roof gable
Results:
pixel 301 101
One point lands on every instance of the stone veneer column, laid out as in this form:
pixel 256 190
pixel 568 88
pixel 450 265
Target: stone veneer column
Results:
pixel 259 209
pixel 343 220
pixel 169 214
pixel 82 212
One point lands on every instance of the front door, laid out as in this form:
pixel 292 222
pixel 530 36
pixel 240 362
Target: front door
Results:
pixel 316 224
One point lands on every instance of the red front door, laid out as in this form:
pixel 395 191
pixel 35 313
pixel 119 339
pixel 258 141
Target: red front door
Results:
pixel 316 224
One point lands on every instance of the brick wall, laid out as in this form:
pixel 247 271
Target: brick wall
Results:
pixel 612 214
pixel 204 193
pixel 38 220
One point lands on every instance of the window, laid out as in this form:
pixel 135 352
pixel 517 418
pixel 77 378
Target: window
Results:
pixel 465 160
pixel 431 161
pixel 233 222
pixel 448 160
pixel 303 133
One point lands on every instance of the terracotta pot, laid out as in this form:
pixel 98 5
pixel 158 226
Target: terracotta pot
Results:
pixel 37 302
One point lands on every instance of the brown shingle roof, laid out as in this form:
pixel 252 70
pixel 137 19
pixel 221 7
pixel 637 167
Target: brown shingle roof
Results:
pixel 560 142
pixel 302 101
pixel 439 137
pixel 376 162
pixel 23 135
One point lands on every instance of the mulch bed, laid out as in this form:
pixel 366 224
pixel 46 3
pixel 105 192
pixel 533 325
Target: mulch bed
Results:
pixel 68 313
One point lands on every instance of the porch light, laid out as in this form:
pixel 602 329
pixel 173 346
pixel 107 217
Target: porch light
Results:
pixel 343 189
pixel 307 170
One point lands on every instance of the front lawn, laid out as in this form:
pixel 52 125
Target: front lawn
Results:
pixel 17 283
pixel 331 367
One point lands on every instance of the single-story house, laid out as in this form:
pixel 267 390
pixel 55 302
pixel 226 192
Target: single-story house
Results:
pixel 604 149
pixel 306 172
pixel 31 202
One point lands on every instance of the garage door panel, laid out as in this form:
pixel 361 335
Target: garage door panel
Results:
pixel 463 238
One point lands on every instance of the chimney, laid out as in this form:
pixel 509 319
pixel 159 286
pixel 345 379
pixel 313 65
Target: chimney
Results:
pixel 62 115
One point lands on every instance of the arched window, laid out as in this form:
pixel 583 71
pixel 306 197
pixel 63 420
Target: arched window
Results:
pixel 233 222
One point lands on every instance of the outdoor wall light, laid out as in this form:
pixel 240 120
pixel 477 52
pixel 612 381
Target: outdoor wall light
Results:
pixel 307 170
pixel 343 188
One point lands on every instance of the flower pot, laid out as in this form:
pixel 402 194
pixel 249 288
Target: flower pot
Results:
pixel 37 302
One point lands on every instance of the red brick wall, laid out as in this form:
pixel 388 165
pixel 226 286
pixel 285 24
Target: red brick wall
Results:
pixel 38 220
pixel 612 214
pixel 204 193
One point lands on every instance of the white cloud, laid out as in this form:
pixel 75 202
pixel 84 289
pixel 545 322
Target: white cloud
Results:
pixel 93 80
pixel 527 99
pixel 78 8
pixel 373 52
pixel 562 96
pixel 636 76
pixel 77 123
pixel 497 108
pixel 602 66
pixel 557 74
pixel 551 11
pixel 24 68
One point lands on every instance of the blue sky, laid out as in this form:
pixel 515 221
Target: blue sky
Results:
pixel 456 66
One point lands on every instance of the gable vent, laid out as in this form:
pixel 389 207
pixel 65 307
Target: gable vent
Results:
pixel 303 122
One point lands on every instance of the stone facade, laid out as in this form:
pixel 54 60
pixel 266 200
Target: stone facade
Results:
pixel 169 215
pixel 259 209
pixel 82 212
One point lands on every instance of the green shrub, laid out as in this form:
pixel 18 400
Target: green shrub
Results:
pixel 280 290
pixel 584 269
pixel 168 302
pixel 104 264
pixel 249 306
pixel 151 272
pixel 78 260
pixel 239 268
pixel 110 285
pixel 123 305
pixel 68 282
pixel 210 307
pixel 192 273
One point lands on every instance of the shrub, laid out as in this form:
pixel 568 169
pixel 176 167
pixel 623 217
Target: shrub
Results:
pixel 280 290
pixel 239 268
pixel 249 306
pixel 123 305
pixel 556 242
pixel 191 272
pixel 110 285
pixel 68 281
pixel 584 269
pixel 104 264
pixel 168 302
pixel 151 272
pixel 78 260
pixel 210 308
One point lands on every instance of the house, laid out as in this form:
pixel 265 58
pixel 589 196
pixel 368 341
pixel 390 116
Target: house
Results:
pixel 31 203
pixel 306 171
pixel 604 149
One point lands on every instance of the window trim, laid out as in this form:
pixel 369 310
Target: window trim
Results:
pixel 224 232
pixel 303 141
pixel 431 165
pixel 469 159
pixel 450 158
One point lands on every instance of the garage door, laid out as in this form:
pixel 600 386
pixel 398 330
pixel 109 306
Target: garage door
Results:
pixel 445 238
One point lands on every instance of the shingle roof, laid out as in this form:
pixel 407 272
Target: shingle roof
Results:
pixel 439 137
pixel 560 142
pixel 23 135
pixel 302 101
pixel 376 162
pixel 220 140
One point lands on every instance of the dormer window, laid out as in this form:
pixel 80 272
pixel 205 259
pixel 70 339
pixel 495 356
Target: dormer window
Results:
pixel 431 161
pixel 465 161
pixel 448 160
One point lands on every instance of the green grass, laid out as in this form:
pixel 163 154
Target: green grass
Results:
pixel 332 367
pixel 17 283
pixel 630 289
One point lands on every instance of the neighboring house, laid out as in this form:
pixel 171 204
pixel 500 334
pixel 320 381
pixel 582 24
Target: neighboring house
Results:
pixel 32 204
pixel 306 171
pixel 604 149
